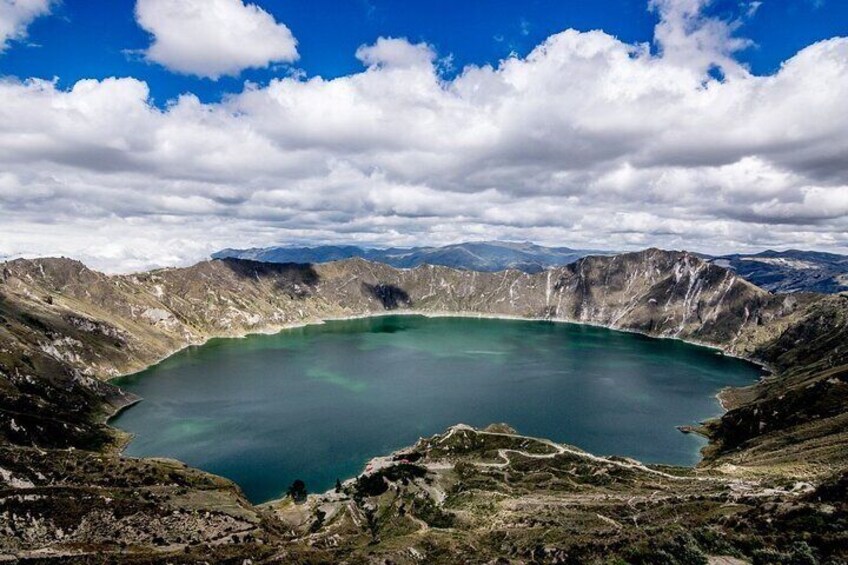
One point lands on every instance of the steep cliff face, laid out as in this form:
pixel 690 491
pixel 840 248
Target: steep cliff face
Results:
pixel 64 329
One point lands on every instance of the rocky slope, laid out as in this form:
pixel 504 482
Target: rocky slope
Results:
pixel 493 496
pixel 65 328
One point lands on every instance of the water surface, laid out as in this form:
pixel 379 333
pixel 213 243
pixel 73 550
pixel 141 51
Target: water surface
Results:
pixel 317 402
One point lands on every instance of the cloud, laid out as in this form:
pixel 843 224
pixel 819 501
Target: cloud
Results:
pixel 16 15
pixel 212 38
pixel 685 35
pixel 393 52
pixel 586 141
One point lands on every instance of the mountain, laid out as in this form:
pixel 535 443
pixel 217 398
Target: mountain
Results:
pixel 772 486
pixel 791 271
pixel 776 271
pixel 484 256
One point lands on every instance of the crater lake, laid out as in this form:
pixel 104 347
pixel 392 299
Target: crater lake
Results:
pixel 316 402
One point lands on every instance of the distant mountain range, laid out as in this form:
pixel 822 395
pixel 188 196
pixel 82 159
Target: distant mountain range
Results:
pixel 777 271
pixel 486 256
pixel 791 271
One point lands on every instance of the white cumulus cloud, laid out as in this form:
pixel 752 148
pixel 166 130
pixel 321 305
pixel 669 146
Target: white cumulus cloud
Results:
pixel 587 141
pixel 211 38
pixel 686 36
pixel 396 53
pixel 16 15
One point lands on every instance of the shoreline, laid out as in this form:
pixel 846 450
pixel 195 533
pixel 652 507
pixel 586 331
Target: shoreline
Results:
pixel 272 330
pixel 125 438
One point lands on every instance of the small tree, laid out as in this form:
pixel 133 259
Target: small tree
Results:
pixel 338 486
pixel 298 491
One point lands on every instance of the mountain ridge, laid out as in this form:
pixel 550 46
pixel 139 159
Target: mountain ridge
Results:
pixel 486 256
pixel 791 270
pixel 65 328
pixel 776 271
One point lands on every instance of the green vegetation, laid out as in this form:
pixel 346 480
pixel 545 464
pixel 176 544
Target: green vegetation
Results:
pixel 297 491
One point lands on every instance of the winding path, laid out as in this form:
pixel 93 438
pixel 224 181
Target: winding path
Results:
pixel 748 487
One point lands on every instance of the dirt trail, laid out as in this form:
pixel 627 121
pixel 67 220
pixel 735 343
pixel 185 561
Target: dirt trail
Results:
pixel 740 487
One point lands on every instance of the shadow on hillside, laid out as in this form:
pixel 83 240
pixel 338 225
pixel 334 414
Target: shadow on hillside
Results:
pixel 389 295
pixel 298 280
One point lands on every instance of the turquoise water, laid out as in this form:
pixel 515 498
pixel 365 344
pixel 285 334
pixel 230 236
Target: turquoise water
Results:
pixel 315 403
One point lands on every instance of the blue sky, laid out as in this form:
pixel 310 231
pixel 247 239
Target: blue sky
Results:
pixel 142 133
pixel 97 39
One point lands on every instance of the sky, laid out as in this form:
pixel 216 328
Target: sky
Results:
pixel 137 134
